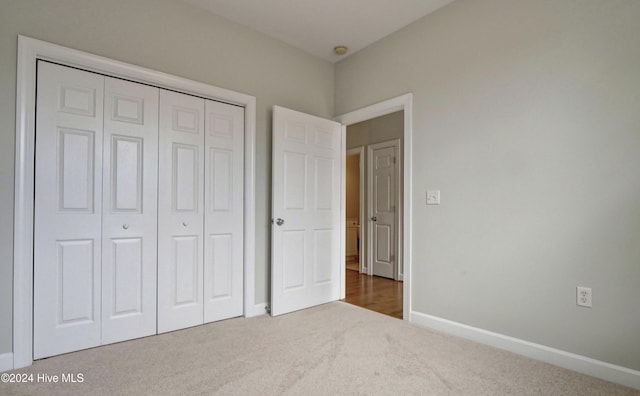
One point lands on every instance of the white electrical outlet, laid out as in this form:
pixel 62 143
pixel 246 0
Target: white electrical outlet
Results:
pixel 584 297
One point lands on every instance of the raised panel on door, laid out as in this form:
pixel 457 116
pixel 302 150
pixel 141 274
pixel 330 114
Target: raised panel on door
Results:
pixel 306 184
pixel 224 211
pixel 185 267
pixel 130 207
pixel 180 211
pixel 68 198
pixel 383 192
pixel 293 256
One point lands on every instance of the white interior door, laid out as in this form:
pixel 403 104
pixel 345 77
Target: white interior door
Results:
pixel 68 202
pixel 382 220
pixel 224 217
pixel 130 210
pixel 181 213
pixel 306 230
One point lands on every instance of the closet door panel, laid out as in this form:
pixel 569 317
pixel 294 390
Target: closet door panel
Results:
pixel 68 201
pixel 180 211
pixel 129 239
pixel 224 197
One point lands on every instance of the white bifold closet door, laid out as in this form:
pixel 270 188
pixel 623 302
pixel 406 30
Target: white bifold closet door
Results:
pixel 181 212
pixel 200 259
pixel 224 207
pixel 138 210
pixel 129 210
pixel 95 210
pixel 68 211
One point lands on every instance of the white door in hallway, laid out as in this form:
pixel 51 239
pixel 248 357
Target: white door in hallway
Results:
pixel 383 185
pixel 306 231
pixel 129 210
pixel 68 210
pixel 180 211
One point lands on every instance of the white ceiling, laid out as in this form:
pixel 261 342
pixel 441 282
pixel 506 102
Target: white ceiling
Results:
pixel 316 26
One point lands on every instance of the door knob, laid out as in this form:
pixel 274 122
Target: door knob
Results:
pixel 279 221
pixel 125 226
pixel 374 218
pixel 184 224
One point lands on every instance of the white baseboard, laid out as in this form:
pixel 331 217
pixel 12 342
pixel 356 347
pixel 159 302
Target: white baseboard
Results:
pixel 6 362
pixel 582 364
pixel 258 309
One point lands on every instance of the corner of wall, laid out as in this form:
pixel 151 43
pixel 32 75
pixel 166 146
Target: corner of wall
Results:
pixel 581 364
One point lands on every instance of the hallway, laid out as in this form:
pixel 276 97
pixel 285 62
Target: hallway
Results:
pixel 375 293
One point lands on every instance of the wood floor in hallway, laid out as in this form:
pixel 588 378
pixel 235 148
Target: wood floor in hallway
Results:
pixel 375 293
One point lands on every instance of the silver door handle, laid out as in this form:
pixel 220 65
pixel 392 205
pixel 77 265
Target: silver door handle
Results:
pixel 279 221
pixel 374 218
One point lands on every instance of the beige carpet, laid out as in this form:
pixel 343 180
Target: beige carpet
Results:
pixel 334 349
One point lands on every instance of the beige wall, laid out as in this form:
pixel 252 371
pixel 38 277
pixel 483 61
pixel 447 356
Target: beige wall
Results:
pixel 171 37
pixel 525 116
pixel 375 130
pixel 353 186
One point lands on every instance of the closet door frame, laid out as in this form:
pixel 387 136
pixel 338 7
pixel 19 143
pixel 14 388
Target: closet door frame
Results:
pixel 29 51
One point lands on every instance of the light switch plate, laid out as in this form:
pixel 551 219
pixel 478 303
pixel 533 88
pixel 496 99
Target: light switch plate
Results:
pixel 433 197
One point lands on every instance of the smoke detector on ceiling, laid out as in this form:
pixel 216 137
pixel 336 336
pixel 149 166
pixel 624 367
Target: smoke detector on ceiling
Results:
pixel 340 49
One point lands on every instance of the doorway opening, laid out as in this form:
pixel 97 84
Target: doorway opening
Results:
pixel 373 214
pixel 354 181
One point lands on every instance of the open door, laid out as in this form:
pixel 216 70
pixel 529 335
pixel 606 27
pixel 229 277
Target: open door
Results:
pixel 306 233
